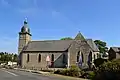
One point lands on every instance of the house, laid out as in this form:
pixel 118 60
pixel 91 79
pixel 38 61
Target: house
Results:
pixel 55 53
pixel 114 53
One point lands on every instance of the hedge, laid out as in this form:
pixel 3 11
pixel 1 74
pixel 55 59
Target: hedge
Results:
pixel 73 71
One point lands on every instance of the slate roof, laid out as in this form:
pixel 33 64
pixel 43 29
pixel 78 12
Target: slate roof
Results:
pixel 54 45
pixel 48 45
pixel 116 49
pixel 92 44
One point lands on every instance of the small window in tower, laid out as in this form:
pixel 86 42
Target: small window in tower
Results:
pixel 39 58
pixel 27 57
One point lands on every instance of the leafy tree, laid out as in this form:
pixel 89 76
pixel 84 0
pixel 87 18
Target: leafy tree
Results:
pixel 101 45
pixel 5 57
pixel 108 71
pixel 15 58
pixel 66 38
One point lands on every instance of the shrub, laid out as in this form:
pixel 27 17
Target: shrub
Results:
pixel 57 72
pixel 99 62
pixel 91 75
pixel 108 70
pixel 73 71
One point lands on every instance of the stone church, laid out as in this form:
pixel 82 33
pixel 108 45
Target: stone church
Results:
pixel 55 53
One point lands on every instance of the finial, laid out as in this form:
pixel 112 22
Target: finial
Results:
pixel 25 22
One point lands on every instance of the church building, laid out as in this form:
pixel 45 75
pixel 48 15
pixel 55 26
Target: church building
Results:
pixel 55 53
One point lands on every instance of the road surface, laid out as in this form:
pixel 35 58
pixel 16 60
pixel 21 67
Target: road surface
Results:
pixel 21 75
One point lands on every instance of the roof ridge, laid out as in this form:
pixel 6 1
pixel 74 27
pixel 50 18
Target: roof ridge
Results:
pixel 89 39
pixel 49 40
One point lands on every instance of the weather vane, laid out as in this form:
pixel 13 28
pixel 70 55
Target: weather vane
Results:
pixel 26 19
pixel 25 22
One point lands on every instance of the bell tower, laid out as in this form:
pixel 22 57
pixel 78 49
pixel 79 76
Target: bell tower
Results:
pixel 24 36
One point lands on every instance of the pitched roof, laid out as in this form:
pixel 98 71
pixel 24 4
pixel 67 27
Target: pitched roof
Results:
pixel 55 45
pixel 48 45
pixel 92 44
pixel 116 49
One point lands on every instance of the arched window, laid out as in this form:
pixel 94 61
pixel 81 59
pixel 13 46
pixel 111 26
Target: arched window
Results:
pixel 64 58
pixel 78 54
pixel 52 58
pixel 28 58
pixel 94 56
pixel 82 57
pixel 90 57
pixel 97 55
pixel 39 58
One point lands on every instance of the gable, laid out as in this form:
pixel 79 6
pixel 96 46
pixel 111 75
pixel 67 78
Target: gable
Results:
pixel 115 49
pixel 79 37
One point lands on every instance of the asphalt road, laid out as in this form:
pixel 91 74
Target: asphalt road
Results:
pixel 21 75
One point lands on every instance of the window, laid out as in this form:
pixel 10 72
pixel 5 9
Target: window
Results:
pixel 90 57
pixel 64 58
pixel 52 58
pixel 39 58
pixel 27 57
pixel 94 56
pixel 82 57
pixel 78 54
pixel 97 55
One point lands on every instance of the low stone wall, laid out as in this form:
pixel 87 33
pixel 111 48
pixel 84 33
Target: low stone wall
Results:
pixel 39 68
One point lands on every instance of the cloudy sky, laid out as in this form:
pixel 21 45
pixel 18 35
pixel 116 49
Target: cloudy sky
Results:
pixel 54 19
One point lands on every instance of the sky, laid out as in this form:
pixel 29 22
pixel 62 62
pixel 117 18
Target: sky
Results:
pixel 54 19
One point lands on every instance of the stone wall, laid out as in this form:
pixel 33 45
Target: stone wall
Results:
pixel 33 59
pixel 79 46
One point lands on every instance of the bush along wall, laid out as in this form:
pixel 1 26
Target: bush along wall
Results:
pixel 73 71
pixel 108 71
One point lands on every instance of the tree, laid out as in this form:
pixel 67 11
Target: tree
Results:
pixel 108 71
pixel 15 58
pixel 66 38
pixel 5 57
pixel 101 45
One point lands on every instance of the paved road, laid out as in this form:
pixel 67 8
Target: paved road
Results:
pixel 20 75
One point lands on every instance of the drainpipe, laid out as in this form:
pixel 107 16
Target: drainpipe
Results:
pixel 68 66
